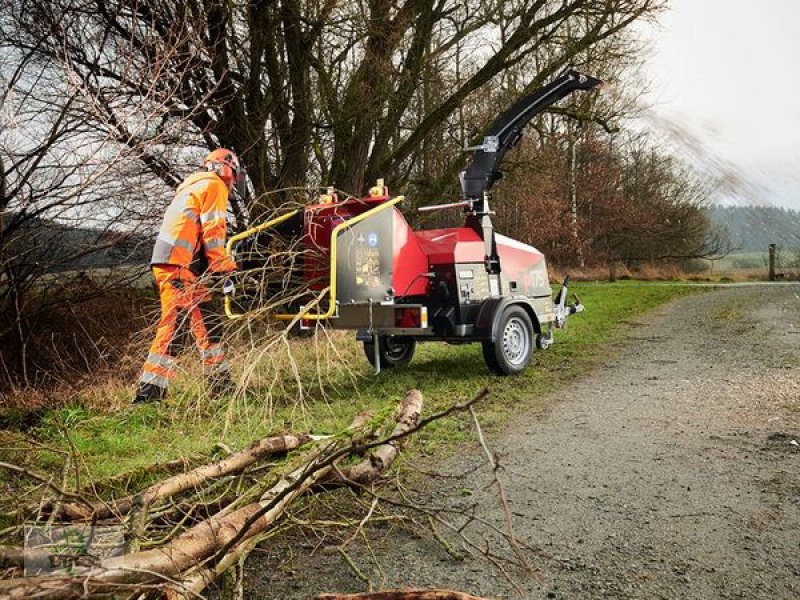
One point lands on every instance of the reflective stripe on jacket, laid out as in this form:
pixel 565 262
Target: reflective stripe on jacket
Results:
pixel 193 231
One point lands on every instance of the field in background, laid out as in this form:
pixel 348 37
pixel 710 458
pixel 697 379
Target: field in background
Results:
pixel 755 265
pixel 737 266
pixel 315 384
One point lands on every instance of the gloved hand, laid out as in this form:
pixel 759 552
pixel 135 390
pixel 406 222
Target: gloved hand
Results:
pixel 228 287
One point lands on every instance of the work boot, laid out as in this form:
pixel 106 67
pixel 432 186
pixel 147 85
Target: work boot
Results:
pixel 220 385
pixel 147 393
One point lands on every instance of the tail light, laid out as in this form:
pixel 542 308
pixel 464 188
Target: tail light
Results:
pixel 411 318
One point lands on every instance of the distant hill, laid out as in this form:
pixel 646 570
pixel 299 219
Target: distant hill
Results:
pixel 754 228
pixel 55 247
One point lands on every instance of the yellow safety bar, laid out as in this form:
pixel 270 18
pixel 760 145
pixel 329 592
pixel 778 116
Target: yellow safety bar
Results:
pixel 258 229
pixel 331 290
pixel 246 234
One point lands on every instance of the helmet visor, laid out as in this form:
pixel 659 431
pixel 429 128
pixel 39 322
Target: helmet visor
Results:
pixel 240 182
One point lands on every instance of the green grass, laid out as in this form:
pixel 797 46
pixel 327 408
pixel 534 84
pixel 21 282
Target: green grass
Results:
pixel 338 387
pixel 742 260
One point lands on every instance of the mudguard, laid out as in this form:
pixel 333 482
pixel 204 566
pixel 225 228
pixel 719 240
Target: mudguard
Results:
pixel 487 323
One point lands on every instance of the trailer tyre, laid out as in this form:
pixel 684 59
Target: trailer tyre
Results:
pixel 512 351
pixel 394 350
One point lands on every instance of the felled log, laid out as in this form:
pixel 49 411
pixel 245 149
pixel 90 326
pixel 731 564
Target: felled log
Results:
pixel 160 565
pixel 384 454
pixel 403 595
pixel 162 490
pixel 380 459
pixel 220 537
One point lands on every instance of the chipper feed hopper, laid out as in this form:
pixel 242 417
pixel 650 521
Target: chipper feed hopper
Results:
pixel 361 266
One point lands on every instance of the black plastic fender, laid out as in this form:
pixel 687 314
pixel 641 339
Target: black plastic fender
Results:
pixel 488 319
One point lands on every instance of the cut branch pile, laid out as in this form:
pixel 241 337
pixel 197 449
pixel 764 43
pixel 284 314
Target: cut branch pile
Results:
pixel 170 551
pixel 163 490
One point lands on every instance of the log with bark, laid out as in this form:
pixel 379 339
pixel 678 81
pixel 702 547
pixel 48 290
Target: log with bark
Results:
pixel 188 562
pixel 163 490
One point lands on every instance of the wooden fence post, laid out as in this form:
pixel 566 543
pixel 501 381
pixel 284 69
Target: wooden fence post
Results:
pixel 772 262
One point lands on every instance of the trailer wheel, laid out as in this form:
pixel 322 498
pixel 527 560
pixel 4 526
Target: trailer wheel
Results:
pixel 394 350
pixel 512 350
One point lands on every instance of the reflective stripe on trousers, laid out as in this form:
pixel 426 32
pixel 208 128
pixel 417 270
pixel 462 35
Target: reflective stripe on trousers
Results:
pixel 182 296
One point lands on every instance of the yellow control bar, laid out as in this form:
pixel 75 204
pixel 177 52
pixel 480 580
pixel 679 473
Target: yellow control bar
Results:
pixel 246 234
pixel 258 229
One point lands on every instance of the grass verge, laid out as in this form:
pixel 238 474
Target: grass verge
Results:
pixel 323 397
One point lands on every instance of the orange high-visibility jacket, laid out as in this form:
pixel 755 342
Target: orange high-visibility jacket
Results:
pixel 193 232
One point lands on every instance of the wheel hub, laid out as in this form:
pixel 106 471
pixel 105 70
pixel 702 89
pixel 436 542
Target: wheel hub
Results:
pixel 516 341
pixel 395 350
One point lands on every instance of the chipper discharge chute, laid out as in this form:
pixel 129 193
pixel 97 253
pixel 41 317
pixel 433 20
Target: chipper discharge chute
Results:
pixel 357 264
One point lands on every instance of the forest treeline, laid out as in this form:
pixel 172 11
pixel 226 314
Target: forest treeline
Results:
pixel 754 228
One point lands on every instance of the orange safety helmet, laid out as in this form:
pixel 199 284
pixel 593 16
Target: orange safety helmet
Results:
pixel 224 163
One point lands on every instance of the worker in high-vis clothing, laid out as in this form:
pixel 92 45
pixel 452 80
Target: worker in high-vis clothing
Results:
pixel 191 245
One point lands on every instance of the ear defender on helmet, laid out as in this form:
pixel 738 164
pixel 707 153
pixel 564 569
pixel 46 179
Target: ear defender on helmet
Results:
pixel 224 163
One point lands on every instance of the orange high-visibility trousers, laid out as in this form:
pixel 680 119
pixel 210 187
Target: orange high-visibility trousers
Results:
pixel 184 299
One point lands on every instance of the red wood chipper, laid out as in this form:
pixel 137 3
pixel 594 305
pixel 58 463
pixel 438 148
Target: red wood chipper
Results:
pixel 360 265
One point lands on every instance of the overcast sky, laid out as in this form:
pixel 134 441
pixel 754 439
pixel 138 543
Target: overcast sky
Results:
pixel 728 71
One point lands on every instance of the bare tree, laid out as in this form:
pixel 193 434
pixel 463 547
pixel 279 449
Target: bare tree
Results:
pixel 75 197
pixel 308 91
pixel 636 202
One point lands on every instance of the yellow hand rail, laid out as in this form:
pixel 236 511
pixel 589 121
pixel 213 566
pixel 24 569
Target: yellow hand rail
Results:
pixel 245 234
pixel 334 242
pixel 258 229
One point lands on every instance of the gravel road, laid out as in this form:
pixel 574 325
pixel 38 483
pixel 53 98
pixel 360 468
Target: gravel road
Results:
pixel 672 471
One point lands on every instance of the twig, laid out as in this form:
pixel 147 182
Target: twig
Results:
pixel 455 554
pixel 354 567
pixel 361 524
pixel 40 478
pixel 459 531
pixel 501 490
pixel 343 523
